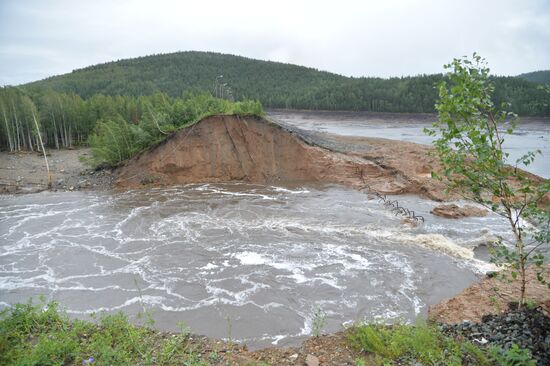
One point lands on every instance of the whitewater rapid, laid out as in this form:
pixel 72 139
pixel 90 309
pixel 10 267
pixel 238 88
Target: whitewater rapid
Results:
pixel 235 260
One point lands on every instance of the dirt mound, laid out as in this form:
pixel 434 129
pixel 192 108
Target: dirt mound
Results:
pixel 254 150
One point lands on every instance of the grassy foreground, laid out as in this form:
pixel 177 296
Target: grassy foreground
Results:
pixel 42 334
pixel 425 345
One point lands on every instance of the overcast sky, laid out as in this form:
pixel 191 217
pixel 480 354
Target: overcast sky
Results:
pixel 359 38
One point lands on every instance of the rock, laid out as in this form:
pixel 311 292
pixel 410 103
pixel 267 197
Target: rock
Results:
pixel 452 211
pixel 71 188
pixel 293 357
pixel 312 360
pixel 528 328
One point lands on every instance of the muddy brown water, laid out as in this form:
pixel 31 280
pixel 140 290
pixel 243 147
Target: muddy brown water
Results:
pixel 250 263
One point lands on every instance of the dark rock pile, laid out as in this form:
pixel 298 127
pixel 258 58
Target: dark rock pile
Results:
pixel 528 328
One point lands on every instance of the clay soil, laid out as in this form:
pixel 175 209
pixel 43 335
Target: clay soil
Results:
pixel 229 148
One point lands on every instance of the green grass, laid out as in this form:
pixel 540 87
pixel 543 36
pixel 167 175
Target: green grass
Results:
pixel 401 344
pixel 41 334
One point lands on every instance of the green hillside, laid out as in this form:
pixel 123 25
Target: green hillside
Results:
pixel 541 77
pixel 274 84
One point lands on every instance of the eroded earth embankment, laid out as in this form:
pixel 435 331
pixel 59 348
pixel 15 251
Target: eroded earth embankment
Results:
pixel 255 150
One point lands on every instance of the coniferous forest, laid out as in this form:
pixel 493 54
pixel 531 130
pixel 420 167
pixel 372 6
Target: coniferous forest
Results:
pixel 119 108
pixel 279 85
pixel 540 77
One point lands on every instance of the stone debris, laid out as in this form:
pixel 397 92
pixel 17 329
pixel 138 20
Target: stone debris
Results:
pixel 312 360
pixel 527 328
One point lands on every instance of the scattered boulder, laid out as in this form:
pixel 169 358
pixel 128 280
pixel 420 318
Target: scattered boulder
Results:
pixel 312 360
pixel 452 211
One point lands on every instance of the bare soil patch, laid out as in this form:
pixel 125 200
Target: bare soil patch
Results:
pixel 491 295
pixel 25 172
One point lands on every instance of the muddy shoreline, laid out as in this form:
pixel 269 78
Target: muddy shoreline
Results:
pixel 25 172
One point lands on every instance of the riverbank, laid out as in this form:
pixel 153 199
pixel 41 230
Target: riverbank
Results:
pixel 43 334
pixel 25 172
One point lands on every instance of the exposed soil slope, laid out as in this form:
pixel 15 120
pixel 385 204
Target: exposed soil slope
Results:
pixel 253 150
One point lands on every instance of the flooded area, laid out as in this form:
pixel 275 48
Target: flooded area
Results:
pixel 250 263
pixel 532 133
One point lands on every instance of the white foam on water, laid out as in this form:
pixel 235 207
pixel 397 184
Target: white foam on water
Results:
pixel 209 265
pixel 440 243
pixel 235 246
pixel 250 258
pixel 291 191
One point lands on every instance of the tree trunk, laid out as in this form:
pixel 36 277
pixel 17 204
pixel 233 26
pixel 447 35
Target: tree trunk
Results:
pixel 10 142
pixel 18 142
pixel 30 139
pixel 55 131
pixel 70 136
pixel 520 251
pixel 43 150
pixel 65 137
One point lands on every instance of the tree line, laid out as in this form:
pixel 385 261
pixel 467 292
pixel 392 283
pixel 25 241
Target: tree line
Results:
pixel 116 127
pixel 540 77
pixel 277 85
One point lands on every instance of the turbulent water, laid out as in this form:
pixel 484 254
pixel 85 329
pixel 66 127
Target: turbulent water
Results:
pixel 252 263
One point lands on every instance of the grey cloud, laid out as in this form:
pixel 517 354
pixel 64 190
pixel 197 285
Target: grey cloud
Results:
pixel 359 38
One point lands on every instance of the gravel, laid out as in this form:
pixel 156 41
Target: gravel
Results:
pixel 528 328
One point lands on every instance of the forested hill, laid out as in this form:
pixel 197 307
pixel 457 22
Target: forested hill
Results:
pixel 274 84
pixel 541 77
